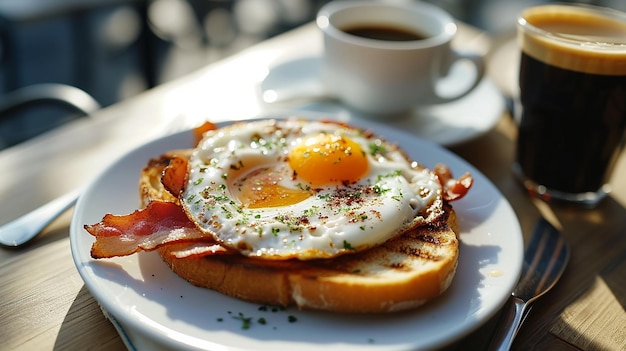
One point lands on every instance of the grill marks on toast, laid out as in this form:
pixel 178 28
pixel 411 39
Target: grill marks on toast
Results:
pixel 429 243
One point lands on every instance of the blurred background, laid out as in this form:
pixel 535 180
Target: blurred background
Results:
pixel 114 49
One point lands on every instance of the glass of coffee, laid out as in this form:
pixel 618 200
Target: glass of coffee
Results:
pixel 572 84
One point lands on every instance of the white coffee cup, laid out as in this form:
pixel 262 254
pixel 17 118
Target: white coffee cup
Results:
pixel 384 77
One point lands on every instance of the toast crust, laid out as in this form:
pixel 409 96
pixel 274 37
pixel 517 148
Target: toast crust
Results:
pixel 403 273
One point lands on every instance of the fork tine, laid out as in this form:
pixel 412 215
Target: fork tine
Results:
pixel 548 248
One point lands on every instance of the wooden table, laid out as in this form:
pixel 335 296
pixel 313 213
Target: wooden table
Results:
pixel 44 304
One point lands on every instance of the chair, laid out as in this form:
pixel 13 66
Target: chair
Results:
pixel 32 110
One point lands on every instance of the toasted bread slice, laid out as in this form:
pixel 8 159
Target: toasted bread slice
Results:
pixel 403 273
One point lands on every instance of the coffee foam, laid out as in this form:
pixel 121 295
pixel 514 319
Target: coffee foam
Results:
pixel 581 40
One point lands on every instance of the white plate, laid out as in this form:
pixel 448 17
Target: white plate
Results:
pixel 445 124
pixel 157 308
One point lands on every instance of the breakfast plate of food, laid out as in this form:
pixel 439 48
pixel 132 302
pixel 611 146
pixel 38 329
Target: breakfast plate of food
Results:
pixel 292 233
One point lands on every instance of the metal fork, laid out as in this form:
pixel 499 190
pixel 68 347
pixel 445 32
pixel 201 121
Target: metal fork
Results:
pixel 545 259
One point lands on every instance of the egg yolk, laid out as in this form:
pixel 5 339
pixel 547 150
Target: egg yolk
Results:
pixel 261 189
pixel 328 159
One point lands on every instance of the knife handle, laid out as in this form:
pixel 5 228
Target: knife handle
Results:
pixel 510 321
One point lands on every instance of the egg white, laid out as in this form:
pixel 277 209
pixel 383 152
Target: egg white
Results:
pixel 394 196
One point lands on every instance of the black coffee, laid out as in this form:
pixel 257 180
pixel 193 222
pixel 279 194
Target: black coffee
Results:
pixel 572 126
pixel 387 33
pixel 574 106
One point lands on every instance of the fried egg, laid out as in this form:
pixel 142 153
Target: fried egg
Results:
pixel 293 188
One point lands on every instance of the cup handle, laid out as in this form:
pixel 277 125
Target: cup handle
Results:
pixel 479 67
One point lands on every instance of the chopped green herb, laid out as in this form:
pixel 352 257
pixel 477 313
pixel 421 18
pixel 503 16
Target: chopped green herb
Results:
pixel 303 187
pixel 245 321
pixel 311 211
pixel 227 213
pixel 395 173
pixel 398 197
pixel 292 319
pixel 377 148
pixel 326 197
pixel 379 189
pixel 347 246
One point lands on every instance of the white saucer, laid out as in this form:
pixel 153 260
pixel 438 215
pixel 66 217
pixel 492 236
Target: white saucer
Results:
pixel 448 124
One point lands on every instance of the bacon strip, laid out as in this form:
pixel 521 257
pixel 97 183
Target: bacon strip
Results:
pixel 198 132
pixel 453 189
pixel 174 176
pixel 146 229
